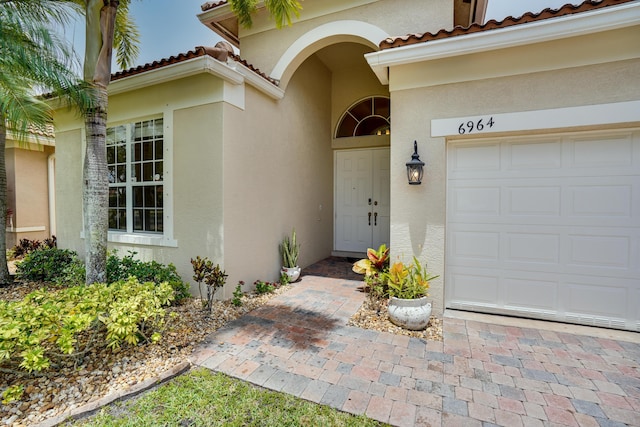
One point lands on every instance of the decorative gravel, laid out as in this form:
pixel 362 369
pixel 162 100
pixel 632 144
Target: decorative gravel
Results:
pixel 373 314
pixel 104 372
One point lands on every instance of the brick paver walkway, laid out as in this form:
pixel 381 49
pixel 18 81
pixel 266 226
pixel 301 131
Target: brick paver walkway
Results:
pixel 482 374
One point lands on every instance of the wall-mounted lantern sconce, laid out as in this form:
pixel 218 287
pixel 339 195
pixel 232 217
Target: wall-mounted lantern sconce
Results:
pixel 415 167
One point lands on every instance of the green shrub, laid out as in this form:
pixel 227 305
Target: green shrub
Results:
pixel 237 294
pixel 63 267
pixel 45 264
pixel 26 246
pixel 46 327
pixel 145 271
pixel 264 287
pixel 213 276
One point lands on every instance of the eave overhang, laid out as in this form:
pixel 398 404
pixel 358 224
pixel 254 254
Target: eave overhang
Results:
pixel 599 20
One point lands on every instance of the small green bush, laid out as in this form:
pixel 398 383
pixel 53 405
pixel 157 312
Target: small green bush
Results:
pixel 63 267
pixel 45 264
pixel 46 327
pixel 26 246
pixel 213 276
pixel 237 294
pixel 264 287
pixel 145 271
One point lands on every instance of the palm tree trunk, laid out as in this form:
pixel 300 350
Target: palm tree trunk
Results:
pixel 101 17
pixel 4 270
pixel 96 191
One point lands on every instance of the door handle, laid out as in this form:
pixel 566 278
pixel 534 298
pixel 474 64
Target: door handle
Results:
pixel 370 201
pixel 369 218
pixel 375 203
pixel 375 219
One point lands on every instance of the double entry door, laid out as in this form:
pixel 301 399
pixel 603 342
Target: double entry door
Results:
pixel 361 199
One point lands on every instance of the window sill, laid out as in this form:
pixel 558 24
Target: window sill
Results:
pixel 142 239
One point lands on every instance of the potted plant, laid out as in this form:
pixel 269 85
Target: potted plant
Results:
pixel 408 287
pixel 289 250
pixel 373 267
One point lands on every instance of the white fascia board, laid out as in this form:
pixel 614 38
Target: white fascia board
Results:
pixel 233 73
pixel 31 142
pixel 202 64
pixel 610 18
pixel 218 13
pixel 260 82
pixel 527 121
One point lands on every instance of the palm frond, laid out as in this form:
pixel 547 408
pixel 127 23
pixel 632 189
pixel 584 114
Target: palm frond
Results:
pixel 243 9
pixel 34 59
pixel 283 11
pixel 126 37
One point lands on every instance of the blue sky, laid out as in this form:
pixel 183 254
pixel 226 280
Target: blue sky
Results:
pixel 170 27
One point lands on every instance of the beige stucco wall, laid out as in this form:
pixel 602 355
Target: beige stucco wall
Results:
pixel 192 112
pixel 418 214
pixel 242 178
pixel 278 175
pixel 263 45
pixel 69 158
pixel 28 192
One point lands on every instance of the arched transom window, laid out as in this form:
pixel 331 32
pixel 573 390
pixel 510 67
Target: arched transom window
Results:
pixel 370 116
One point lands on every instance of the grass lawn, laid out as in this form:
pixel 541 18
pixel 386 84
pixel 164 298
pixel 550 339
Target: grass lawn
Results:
pixel 204 398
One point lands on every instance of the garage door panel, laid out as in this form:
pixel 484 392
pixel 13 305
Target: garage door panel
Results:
pixel 546 227
pixel 604 201
pixel 475 287
pixel 473 158
pixel 534 200
pixel 534 155
pixel 599 251
pixel 474 201
pixel 601 152
pixel 476 245
pixel 531 293
pixel 529 247
pixel 594 299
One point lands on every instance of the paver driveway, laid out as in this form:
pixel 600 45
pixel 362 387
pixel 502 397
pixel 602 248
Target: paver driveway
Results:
pixel 533 374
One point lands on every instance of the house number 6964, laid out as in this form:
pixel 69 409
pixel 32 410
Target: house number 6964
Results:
pixel 471 126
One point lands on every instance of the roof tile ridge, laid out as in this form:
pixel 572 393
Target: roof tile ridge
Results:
pixel 194 53
pixel 251 67
pixel 212 5
pixel 493 24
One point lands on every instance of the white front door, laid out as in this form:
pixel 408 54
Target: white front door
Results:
pixel 362 199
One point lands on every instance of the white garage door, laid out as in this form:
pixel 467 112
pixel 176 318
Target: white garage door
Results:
pixel 546 227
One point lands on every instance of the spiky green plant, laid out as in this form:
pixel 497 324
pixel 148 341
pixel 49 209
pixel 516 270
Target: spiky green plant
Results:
pixel 290 249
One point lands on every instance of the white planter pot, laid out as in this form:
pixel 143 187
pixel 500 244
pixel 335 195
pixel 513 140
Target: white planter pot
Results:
pixel 410 314
pixel 293 273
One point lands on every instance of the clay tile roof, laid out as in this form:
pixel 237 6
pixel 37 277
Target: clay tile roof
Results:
pixel 254 69
pixel 197 52
pixel 212 5
pixel 47 132
pixel 547 13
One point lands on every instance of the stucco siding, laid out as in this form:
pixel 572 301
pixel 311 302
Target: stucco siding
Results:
pixel 198 188
pixel 192 113
pixel 418 213
pixel 27 192
pixel 69 159
pixel 265 45
pixel 278 175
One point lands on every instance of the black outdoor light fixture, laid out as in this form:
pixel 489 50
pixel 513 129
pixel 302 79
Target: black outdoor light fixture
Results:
pixel 415 167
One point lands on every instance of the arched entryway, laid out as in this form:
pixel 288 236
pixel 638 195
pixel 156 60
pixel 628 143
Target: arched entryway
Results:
pixel 359 123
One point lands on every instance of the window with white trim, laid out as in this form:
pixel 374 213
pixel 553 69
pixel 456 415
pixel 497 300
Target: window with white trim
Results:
pixel 135 158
